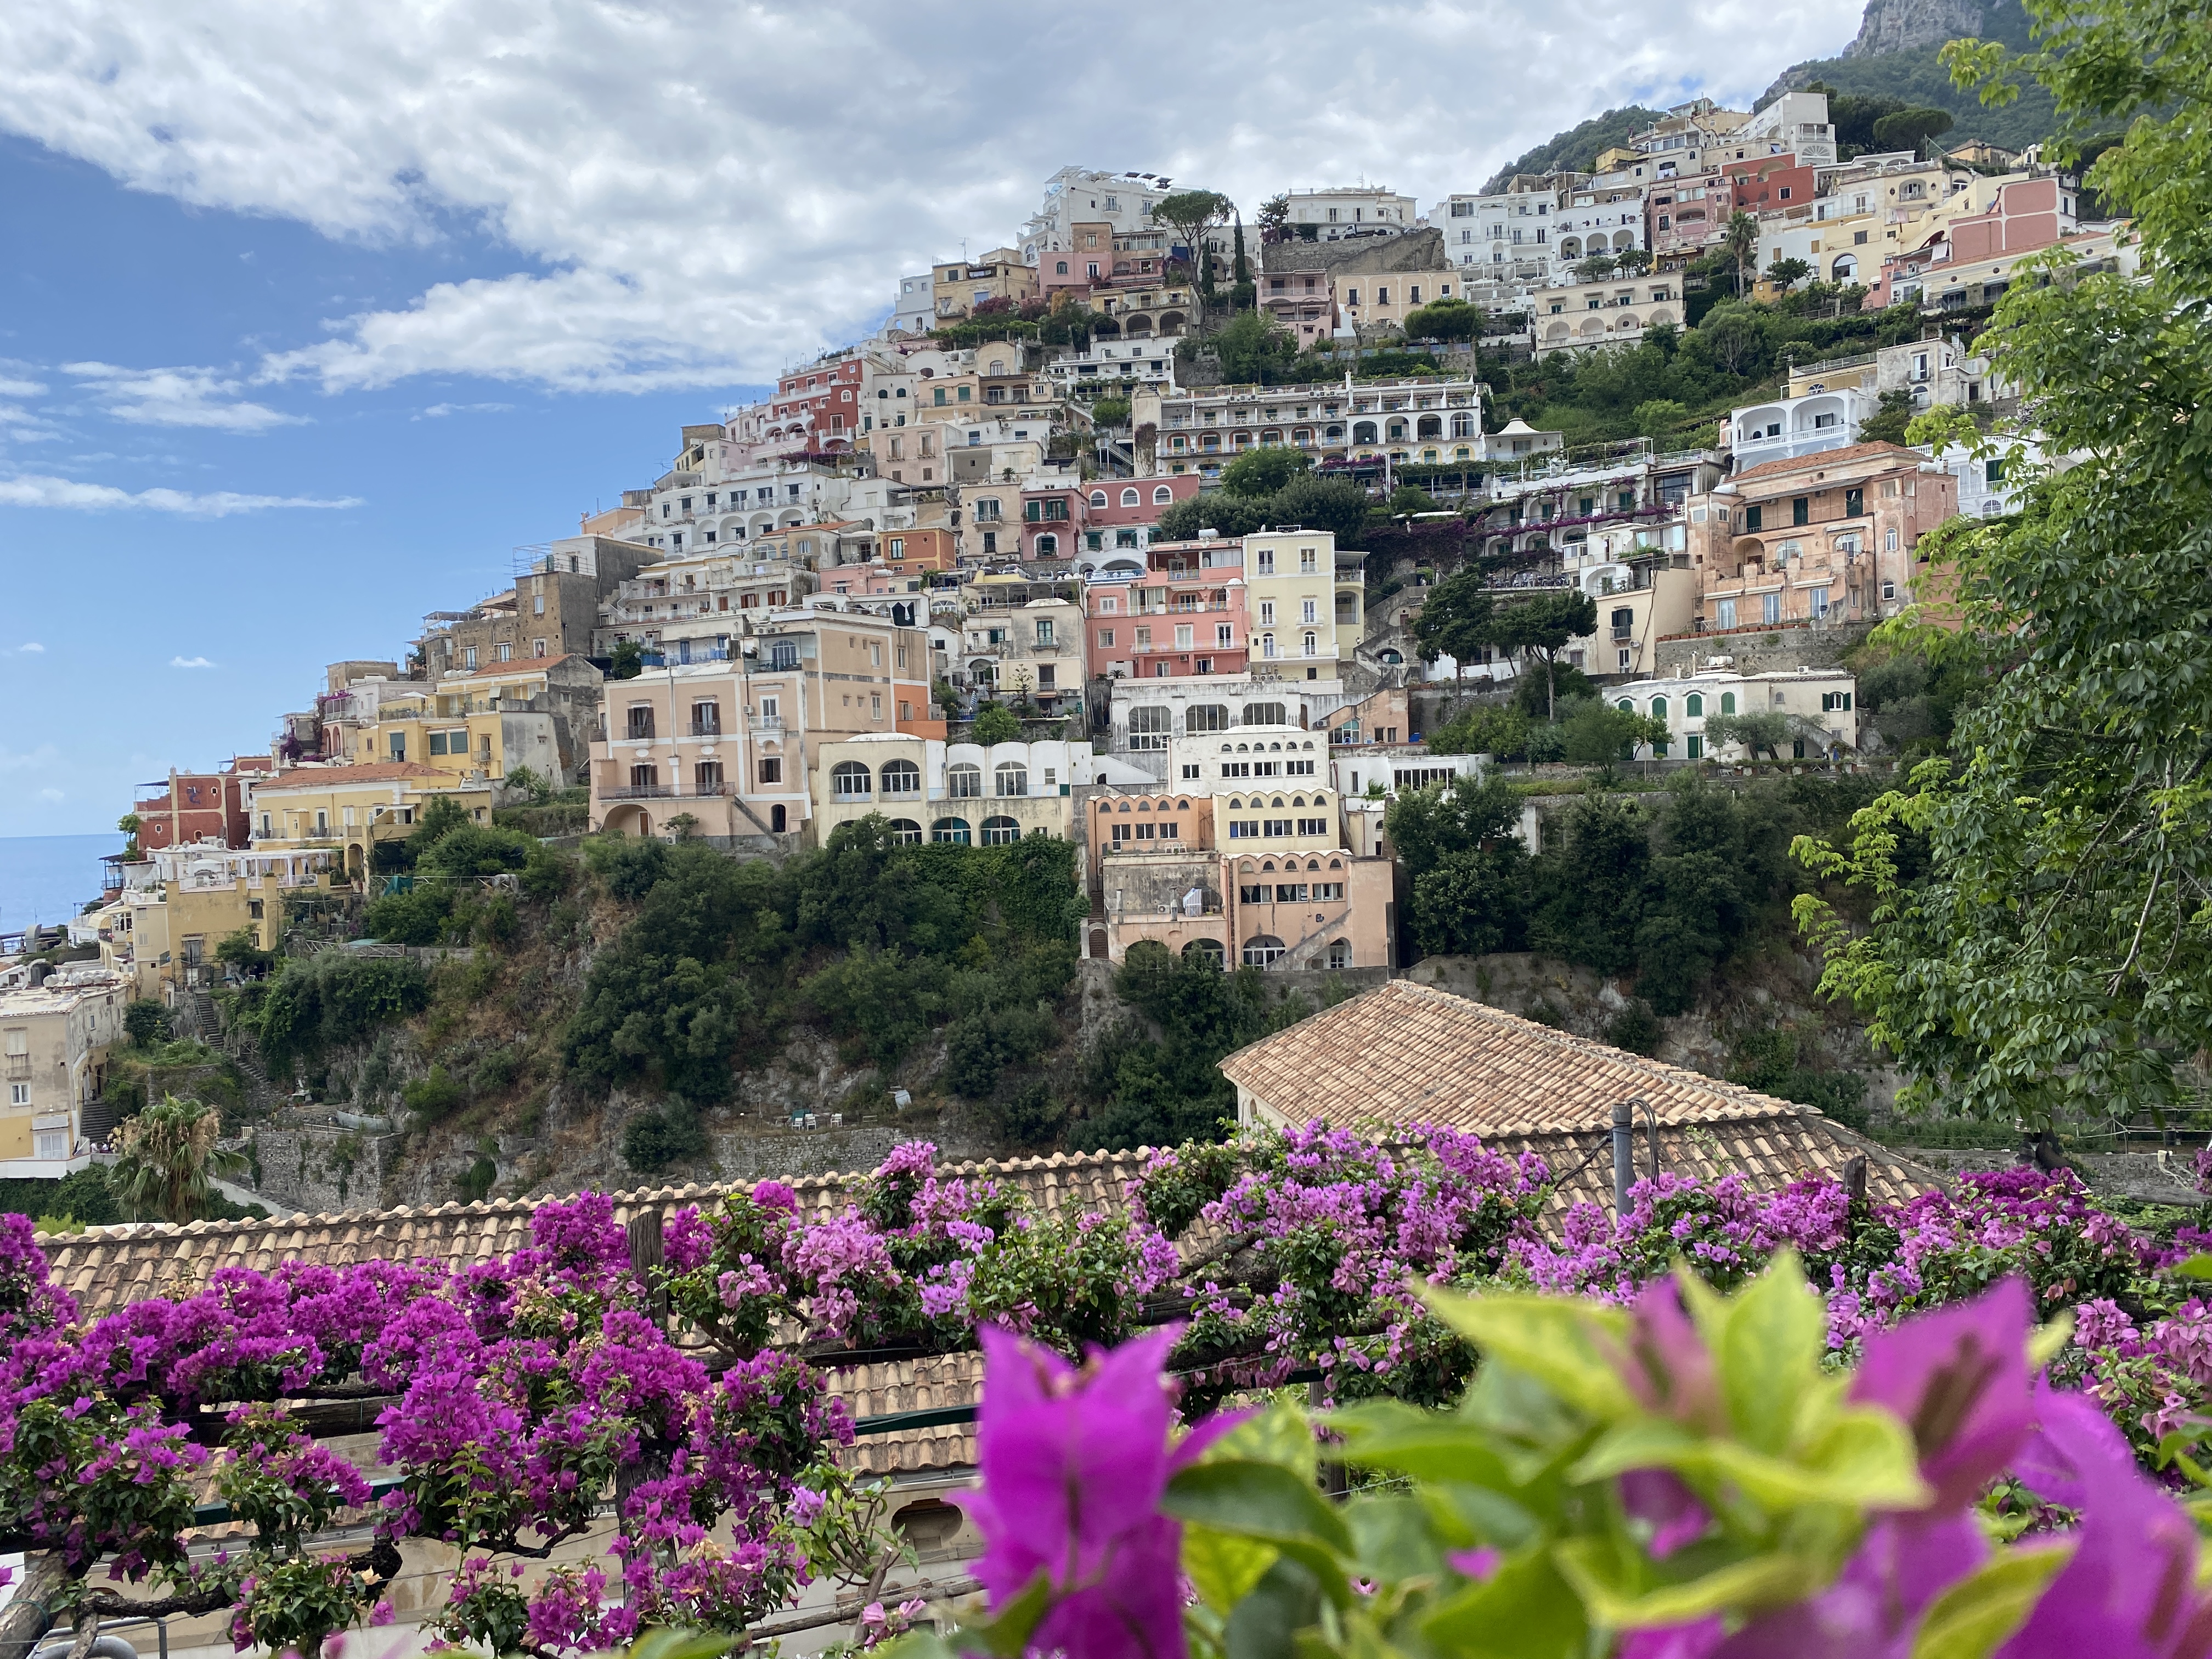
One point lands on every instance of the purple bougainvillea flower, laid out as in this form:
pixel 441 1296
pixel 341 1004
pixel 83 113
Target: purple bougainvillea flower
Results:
pixel 1873 1610
pixel 1477 1565
pixel 1659 1497
pixel 1074 1463
pixel 1958 1377
pixel 1697 1640
pixel 1673 1372
pixel 2130 1591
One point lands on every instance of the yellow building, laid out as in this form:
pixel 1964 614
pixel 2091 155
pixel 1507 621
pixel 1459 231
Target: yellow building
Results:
pixel 350 808
pixel 54 1038
pixel 476 724
pixel 970 794
pixel 178 905
pixel 1303 615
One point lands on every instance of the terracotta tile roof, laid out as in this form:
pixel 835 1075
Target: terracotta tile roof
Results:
pixel 369 772
pixel 1406 1054
pixel 1830 458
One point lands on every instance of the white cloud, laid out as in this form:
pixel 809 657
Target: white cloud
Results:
pixel 35 489
pixel 439 411
pixel 32 648
pixel 11 387
pixel 175 397
pixel 695 193
pixel 190 662
pixel 51 795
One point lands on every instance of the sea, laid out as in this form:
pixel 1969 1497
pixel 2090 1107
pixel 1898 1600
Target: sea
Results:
pixel 49 878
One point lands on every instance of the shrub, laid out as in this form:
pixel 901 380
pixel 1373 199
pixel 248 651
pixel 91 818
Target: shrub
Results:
pixel 661 1136
pixel 433 1098
pixel 1635 1029
pixel 146 1022
pixel 417 917
pixel 329 1000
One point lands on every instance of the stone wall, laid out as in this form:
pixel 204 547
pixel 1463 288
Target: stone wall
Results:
pixel 320 1169
pixel 1754 652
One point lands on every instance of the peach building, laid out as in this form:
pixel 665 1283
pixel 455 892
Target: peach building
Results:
pixel 1260 879
pixel 1823 537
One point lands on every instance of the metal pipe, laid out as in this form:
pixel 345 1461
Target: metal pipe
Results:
pixel 1624 1155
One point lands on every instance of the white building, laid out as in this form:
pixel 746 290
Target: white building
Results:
pixel 1213 753
pixel 911 311
pixel 1506 239
pixel 54 1038
pixel 1419 418
pixel 1786 427
pixel 1795 124
pixel 1331 214
pixel 1123 200
pixel 1146 715
pixel 1150 363
pixel 1617 311
pixel 1819 701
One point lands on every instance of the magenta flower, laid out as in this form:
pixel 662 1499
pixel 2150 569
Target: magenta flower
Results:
pixel 1074 1464
pixel 2130 1591
pixel 1958 1377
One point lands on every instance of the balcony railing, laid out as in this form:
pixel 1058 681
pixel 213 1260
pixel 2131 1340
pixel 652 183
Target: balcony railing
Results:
pixel 766 722
pixel 706 728
pixel 639 792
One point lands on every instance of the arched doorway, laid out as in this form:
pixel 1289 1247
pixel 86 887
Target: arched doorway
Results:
pixel 628 821
pixel 777 817
pixel 1098 944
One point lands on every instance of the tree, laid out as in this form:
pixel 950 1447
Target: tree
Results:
pixel 1336 504
pixel 168 1160
pixel 1598 734
pixel 1274 217
pixel 2051 964
pixel 1660 416
pixel 1241 268
pixel 1408 498
pixel 626 661
pixel 1190 214
pixel 1544 624
pixel 1787 273
pixel 243 951
pixel 1444 319
pixel 1252 344
pixel 146 1022
pixel 1596 268
pixel 1264 471
pixel 130 824
pixel 1633 261
pixel 1910 129
pixel 1457 619
pixel 1740 243
pixel 1761 732
pixel 1110 411
pixel 1893 415
pixel 995 723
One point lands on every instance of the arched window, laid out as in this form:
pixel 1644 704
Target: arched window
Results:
pixel 1462 426
pixel 1132 498
pixel 849 781
pixel 1269 864
pixel 1659 709
pixel 963 780
pixel 1097 498
pixel 1693 706
pixel 1727 703
pixel 1047 546
pixel 1264 714
pixel 905 832
pixel 1207 950
pixel 1339 953
pixel 901 777
pixel 1625 706
pixel 1313 642
pixel 1014 779
pixel 1162 497
pixel 1001 832
pixel 1363 432
pixel 1336 864
pixel 1263 951
pixel 954 831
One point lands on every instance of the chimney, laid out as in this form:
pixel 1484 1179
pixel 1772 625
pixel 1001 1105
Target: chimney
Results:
pixel 1624 1156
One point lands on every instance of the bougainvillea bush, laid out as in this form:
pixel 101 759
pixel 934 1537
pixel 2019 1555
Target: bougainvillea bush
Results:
pixel 1689 1476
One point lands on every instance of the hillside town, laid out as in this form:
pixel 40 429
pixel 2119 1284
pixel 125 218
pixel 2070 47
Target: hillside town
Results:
pixel 1315 928
pixel 965 580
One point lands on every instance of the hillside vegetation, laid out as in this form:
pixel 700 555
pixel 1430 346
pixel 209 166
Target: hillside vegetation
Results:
pixel 1578 147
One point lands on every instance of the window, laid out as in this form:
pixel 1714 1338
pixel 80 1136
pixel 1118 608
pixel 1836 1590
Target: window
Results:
pixel 1753 517
pixel 1724 615
pixel 963 780
pixel 901 778
pixel 19 1094
pixel 1770 607
pixel 646 776
pixel 1263 951
pixel 1693 706
pixel 707 778
pixel 1001 832
pixel 1012 779
pixel 1148 728
pixel 951 831
pixel 1313 826
pixel 1853 503
pixel 1727 703
pixel 771 770
pixel 1800 509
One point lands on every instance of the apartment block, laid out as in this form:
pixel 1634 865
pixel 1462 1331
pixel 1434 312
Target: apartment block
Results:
pixel 54 1039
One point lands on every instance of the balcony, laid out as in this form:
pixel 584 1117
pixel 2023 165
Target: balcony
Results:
pixel 766 723
pixel 705 729
pixel 640 791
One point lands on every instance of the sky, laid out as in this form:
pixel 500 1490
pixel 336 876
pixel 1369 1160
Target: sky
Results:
pixel 312 314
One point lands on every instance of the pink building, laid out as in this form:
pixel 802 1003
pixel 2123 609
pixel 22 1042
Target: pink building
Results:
pixel 1079 521
pixel 1185 614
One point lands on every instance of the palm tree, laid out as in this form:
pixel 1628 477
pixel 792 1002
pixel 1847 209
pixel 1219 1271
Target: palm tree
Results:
pixel 169 1160
pixel 1742 241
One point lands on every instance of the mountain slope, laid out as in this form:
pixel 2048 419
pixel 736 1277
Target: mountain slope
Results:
pixel 1578 147
pixel 1897 53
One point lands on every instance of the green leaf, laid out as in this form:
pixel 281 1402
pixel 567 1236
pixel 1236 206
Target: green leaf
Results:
pixel 923 1643
pixel 1007 1634
pixel 1281 1434
pixel 1266 1622
pixel 1651 1601
pixel 1224 1566
pixel 1525 1610
pixel 2197 1266
pixel 1768 1351
pixel 1975 1616
pixel 1567 1346
pixel 1392 1540
pixel 1865 1459
pixel 1255 1500
pixel 1389 1434
pixel 681 1645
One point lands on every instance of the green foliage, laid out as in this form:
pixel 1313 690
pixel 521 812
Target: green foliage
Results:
pixel 995 723
pixel 1111 412
pixel 1161 1091
pixel 326 1001
pixel 1787 273
pixel 1337 505
pixel 1444 319
pixel 240 951
pixel 168 1161
pixel 661 1136
pixel 414 917
pixel 1659 417
pixel 1595 734
pixel 146 1022
pixel 1255 350
pixel 82 1196
pixel 979 1046
pixel 626 660
pixel 1503 732
pixel 1534 695
pixel 1863 90
pixel 1577 149
pixel 1778 1060
pixel 1668 891
pixel 1264 471
pixel 1028 1116
pixel 1635 1029
pixel 1910 129
pixel 433 1097
pixel 1892 414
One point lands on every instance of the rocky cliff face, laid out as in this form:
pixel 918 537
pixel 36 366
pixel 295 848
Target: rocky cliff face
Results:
pixel 1905 25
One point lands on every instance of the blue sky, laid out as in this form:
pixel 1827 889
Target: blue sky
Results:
pixel 308 319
